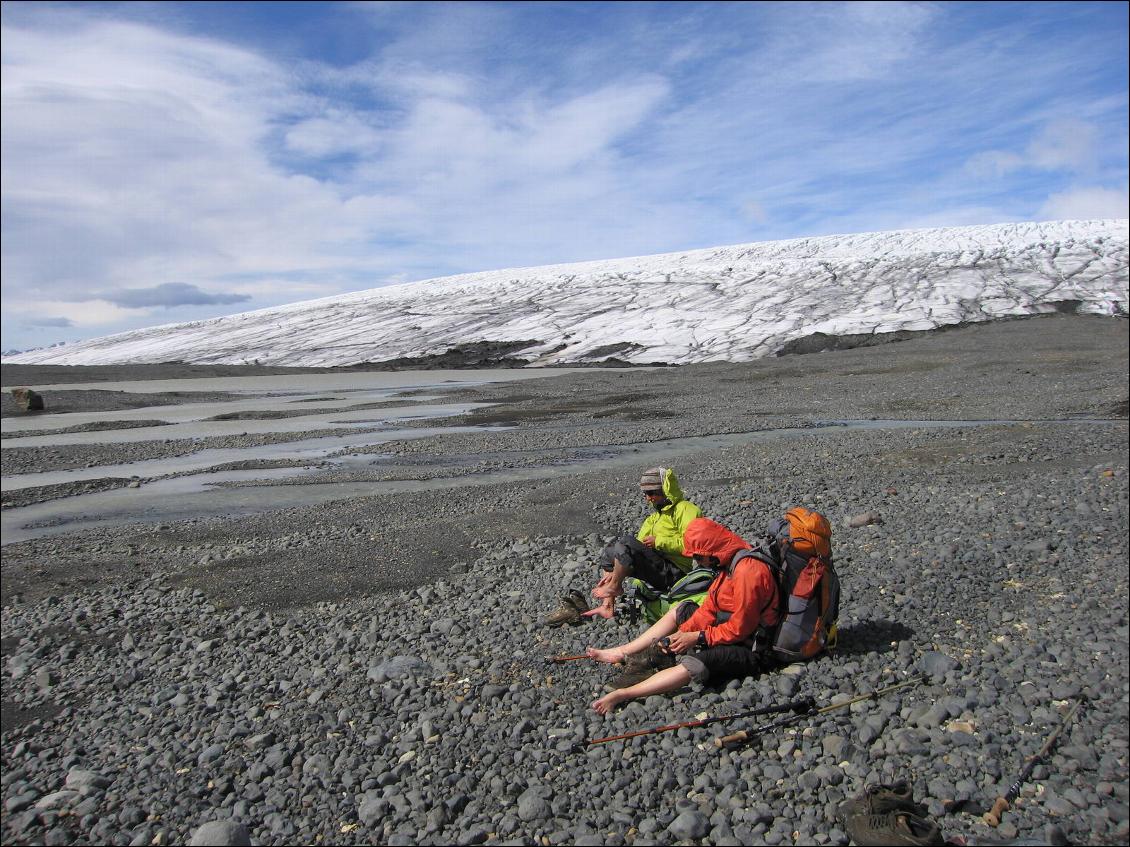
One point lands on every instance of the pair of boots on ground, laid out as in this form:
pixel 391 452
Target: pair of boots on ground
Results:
pixel 888 815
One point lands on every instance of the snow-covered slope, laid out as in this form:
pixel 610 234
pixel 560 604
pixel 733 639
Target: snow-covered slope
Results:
pixel 726 303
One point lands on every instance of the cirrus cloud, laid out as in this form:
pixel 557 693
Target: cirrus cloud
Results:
pixel 176 160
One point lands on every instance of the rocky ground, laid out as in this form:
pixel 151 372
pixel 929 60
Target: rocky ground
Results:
pixel 372 670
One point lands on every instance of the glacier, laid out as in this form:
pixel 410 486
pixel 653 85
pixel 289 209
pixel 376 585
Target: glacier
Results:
pixel 733 303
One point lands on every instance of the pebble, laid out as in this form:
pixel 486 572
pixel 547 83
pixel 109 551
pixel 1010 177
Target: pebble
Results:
pixel 437 723
pixel 222 833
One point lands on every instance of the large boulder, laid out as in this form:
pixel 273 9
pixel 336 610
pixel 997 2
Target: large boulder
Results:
pixel 28 400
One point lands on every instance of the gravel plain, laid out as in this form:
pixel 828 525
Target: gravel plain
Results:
pixel 372 670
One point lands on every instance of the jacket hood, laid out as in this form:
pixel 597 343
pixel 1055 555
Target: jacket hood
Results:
pixel 704 537
pixel 671 489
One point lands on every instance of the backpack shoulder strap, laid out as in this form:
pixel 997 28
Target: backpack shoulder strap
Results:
pixel 762 554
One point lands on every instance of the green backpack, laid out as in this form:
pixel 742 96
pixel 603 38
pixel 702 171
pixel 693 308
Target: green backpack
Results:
pixel 653 605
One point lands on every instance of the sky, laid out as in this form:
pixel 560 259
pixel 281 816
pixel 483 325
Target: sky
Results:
pixel 166 162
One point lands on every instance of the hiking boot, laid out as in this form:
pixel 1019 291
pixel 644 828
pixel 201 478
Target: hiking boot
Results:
pixel 640 666
pixel 569 612
pixel 880 799
pixel 630 677
pixel 894 828
pixel 652 657
pixel 577 599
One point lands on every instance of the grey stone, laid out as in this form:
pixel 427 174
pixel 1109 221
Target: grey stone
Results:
pixel 937 664
pixel 14 805
pixel 373 809
pixel 221 833
pixel 532 806
pixel 80 779
pixel 689 825
pixel 210 754
pixel 56 799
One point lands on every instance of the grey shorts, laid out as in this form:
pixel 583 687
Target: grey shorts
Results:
pixel 721 663
pixel 724 662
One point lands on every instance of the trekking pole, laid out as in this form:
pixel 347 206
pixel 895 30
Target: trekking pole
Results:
pixel 993 816
pixel 556 660
pixel 803 705
pixel 742 736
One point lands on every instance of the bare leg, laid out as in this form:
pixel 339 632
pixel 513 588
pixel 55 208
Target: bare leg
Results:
pixel 611 656
pixel 611 584
pixel 669 679
pixel 610 587
pixel 662 627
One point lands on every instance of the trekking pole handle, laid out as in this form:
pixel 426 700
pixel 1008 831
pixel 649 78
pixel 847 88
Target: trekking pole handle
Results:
pixel 744 735
pixel 993 816
pixel 731 740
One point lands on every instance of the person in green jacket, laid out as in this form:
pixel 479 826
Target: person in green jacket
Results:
pixel 654 555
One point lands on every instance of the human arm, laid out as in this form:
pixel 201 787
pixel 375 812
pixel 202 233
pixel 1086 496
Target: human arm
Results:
pixel 647 528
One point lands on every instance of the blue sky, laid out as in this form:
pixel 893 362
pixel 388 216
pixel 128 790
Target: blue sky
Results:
pixel 165 162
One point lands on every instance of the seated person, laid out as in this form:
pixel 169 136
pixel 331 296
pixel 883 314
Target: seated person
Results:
pixel 655 555
pixel 694 642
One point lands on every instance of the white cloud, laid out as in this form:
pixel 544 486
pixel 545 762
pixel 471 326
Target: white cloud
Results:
pixel 1087 204
pixel 336 132
pixel 1064 145
pixel 134 157
pixel 845 42
pixel 1061 145
pixel 91 313
pixel 141 154
pixel 755 211
pixel 413 79
pixel 993 164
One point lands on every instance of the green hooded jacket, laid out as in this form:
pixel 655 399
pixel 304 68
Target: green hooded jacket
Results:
pixel 670 522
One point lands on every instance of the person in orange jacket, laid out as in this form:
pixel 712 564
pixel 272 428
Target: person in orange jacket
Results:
pixel 693 642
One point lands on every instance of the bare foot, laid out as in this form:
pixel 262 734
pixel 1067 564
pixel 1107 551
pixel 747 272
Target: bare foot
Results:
pixel 611 656
pixel 608 702
pixel 602 611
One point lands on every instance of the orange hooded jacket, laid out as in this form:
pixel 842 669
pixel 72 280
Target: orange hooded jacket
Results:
pixel 743 596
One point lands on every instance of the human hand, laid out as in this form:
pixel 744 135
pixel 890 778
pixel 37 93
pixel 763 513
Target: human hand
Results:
pixel 681 642
pixel 649 541
pixel 605 590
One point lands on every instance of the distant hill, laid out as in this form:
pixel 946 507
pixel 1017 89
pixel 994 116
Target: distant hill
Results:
pixel 725 303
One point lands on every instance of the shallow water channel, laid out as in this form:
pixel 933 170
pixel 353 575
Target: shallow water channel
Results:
pixel 323 402
pixel 204 495
pixel 310 402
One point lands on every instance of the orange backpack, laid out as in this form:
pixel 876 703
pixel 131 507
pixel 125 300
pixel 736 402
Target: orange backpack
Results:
pixel 799 548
